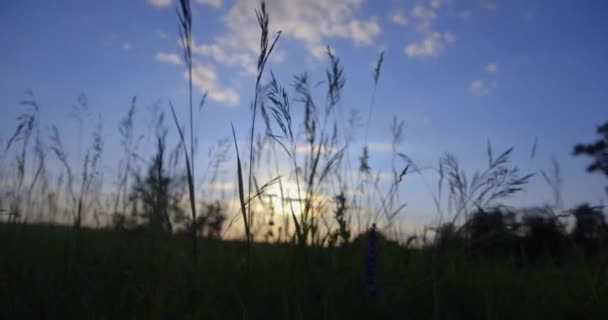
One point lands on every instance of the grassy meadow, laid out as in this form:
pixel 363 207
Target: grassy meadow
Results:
pixel 303 238
pixel 60 273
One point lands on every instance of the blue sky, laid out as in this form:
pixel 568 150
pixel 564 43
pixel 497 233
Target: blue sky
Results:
pixel 456 72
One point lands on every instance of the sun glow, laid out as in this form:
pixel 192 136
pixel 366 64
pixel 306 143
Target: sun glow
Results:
pixel 291 199
pixel 286 200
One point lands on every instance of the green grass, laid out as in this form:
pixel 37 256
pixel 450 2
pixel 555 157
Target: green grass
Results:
pixel 54 272
pixel 62 273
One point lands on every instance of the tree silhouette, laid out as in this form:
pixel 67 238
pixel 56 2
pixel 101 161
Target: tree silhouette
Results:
pixel 153 190
pixel 597 150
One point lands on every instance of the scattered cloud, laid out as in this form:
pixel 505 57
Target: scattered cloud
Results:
pixel 434 42
pixel 278 56
pixel 431 46
pixel 245 61
pixel 492 68
pixel 169 58
pixel 482 87
pixel 160 3
pixel 424 16
pixel 399 18
pixel 127 46
pixel 310 22
pixel 213 3
pixel 320 51
pixel 449 37
pixel 205 78
pixel 362 33
pixel 478 87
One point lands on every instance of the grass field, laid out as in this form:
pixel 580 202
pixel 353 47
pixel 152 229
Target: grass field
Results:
pixel 62 273
pixel 152 243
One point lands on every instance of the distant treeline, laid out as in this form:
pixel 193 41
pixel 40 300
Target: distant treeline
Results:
pixel 529 236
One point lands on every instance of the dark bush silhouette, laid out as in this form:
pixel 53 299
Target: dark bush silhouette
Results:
pixel 210 222
pixel 491 234
pixel 382 240
pixel 448 237
pixel 590 230
pixel 527 236
pixel 543 237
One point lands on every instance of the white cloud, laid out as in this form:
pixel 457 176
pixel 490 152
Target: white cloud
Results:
pixel 449 37
pixel 362 33
pixel 213 3
pixel 478 87
pixel 492 68
pixel 424 16
pixel 160 3
pixel 319 51
pixel 245 61
pixel 420 11
pixel 431 46
pixel 434 42
pixel 399 18
pixel 482 87
pixel 278 56
pixel 204 77
pixel 168 58
pixel 310 22
pixel 127 46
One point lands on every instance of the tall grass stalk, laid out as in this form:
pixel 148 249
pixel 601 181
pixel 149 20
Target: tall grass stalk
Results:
pixel 265 50
pixel 89 172
pixel 184 14
pixel 322 156
pixel 241 188
pixel 28 126
pixel 129 145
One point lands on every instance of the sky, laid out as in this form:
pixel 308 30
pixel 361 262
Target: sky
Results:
pixel 458 73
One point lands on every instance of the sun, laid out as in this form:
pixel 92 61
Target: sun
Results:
pixel 286 201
